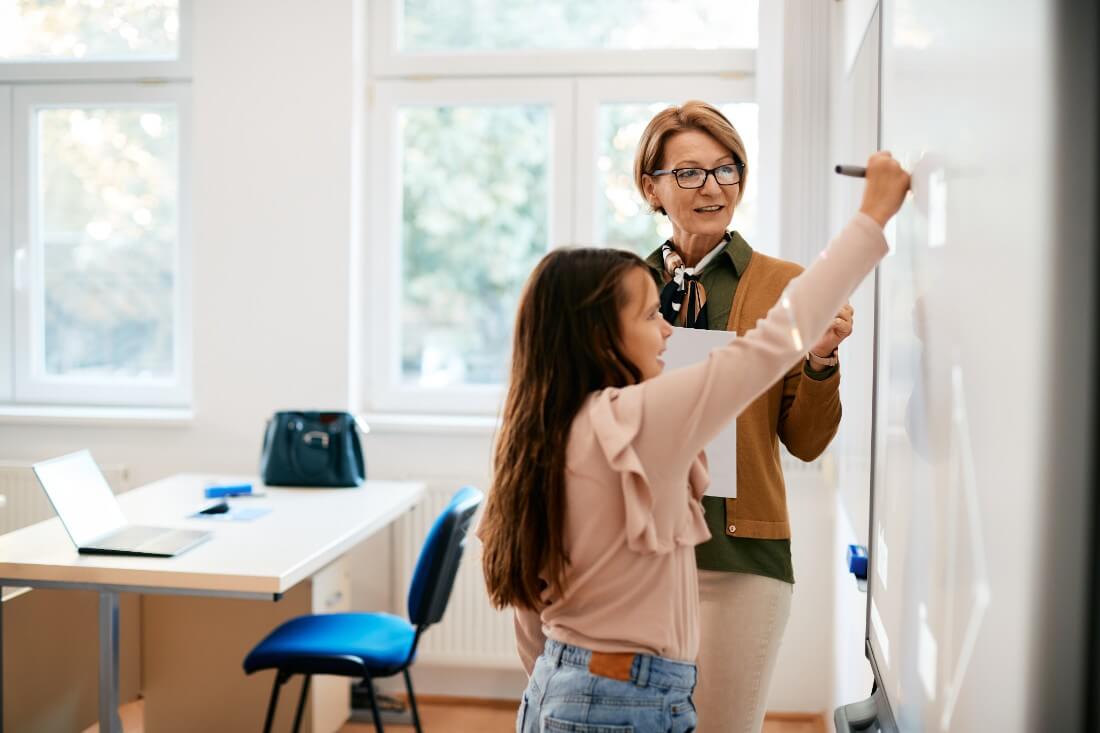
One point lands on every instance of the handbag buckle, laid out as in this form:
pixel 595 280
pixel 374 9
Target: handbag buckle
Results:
pixel 315 435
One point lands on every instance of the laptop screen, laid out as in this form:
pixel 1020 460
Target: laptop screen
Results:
pixel 80 496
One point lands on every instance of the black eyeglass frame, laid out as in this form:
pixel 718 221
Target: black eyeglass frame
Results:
pixel 674 172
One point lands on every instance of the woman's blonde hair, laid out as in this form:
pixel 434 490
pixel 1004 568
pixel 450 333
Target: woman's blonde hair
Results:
pixel 692 115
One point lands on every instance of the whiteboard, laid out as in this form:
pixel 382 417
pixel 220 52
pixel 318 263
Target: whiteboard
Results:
pixel 970 346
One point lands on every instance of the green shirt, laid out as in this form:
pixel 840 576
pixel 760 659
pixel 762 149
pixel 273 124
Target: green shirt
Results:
pixel 770 558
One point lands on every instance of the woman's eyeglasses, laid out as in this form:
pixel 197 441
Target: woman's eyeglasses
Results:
pixel 725 175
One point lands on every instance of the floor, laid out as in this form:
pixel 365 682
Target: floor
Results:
pixel 480 717
pixel 483 717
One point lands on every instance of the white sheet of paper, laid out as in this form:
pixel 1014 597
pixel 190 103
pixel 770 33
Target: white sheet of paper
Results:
pixel 689 346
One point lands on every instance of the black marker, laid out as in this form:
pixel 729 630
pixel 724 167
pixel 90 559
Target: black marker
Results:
pixel 222 507
pixel 856 171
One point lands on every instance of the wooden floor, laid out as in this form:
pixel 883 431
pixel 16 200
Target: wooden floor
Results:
pixel 482 717
pixel 478 716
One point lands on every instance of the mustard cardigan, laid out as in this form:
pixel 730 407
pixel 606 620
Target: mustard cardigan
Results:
pixel 802 412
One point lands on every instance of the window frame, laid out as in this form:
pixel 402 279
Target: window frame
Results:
pixel 385 389
pixel 178 69
pixel 28 384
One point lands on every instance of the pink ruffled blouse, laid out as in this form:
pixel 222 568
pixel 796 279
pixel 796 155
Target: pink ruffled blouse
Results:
pixel 635 473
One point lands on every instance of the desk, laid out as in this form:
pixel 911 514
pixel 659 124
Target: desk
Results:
pixel 260 559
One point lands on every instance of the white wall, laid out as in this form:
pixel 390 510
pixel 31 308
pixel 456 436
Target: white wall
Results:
pixel 803 674
pixel 275 223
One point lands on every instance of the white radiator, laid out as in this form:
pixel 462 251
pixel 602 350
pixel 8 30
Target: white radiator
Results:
pixel 25 501
pixel 472 633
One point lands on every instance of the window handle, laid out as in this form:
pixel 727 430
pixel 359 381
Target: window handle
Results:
pixel 19 267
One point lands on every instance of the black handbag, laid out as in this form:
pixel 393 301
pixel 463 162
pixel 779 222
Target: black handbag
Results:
pixel 312 449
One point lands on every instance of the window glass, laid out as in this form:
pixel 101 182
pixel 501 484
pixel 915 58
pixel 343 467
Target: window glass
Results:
pixel 499 25
pixel 107 223
pixel 475 187
pixel 89 30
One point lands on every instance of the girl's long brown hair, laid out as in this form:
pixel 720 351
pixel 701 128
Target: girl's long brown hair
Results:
pixel 567 344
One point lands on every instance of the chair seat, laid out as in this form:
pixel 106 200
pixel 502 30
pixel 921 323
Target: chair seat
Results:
pixel 353 644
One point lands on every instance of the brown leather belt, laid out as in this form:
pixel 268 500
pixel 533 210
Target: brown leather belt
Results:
pixel 614 665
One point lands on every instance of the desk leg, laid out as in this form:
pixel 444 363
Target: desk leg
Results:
pixel 1 659
pixel 109 722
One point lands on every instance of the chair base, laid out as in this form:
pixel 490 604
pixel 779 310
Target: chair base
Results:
pixel 373 713
pixel 392 709
pixel 389 717
pixel 370 706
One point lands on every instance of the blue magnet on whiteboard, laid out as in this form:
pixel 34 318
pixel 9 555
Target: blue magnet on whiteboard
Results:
pixel 857 561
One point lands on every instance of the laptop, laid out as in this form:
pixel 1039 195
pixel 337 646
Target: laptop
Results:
pixel 93 518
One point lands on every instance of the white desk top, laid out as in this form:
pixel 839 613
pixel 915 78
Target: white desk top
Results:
pixel 305 530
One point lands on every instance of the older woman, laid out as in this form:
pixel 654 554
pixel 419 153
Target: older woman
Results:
pixel 691 167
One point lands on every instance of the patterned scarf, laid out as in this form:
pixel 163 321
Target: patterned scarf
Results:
pixel 683 298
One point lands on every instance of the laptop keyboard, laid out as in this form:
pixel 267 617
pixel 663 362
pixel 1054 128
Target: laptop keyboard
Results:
pixel 131 537
pixel 146 539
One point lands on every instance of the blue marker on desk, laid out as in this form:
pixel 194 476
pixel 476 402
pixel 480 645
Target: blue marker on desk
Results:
pixel 218 492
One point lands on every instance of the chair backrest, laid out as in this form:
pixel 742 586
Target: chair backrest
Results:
pixel 437 565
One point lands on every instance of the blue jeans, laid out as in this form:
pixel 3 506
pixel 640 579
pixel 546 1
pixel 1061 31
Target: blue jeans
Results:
pixel 647 695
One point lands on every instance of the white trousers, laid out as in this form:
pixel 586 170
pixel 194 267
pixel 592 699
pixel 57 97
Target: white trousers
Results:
pixel 742 621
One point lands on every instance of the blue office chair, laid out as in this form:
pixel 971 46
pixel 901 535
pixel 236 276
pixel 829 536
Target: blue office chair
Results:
pixel 371 645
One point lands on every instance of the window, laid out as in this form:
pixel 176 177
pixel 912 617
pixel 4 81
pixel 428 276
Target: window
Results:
pixel 97 202
pixel 89 31
pixel 500 130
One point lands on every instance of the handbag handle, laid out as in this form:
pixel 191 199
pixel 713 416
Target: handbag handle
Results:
pixel 307 439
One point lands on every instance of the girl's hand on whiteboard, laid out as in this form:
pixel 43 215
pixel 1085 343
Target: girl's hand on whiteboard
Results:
pixel 884 192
